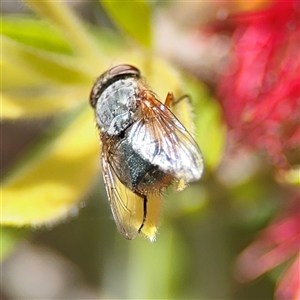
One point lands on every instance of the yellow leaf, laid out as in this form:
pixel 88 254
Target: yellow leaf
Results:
pixel 42 102
pixel 58 68
pixel 14 77
pixel 134 17
pixel 291 176
pixel 47 188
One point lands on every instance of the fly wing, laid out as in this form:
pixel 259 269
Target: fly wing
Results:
pixel 132 213
pixel 126 206
pixel 161 139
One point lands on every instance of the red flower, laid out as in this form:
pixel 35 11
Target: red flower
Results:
pixel 260 91
pixel 275 245
pixel 289 286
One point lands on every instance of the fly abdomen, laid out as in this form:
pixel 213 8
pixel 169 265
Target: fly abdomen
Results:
pixel 135 172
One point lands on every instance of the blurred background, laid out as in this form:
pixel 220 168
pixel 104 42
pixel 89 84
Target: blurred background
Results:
pixel 232 235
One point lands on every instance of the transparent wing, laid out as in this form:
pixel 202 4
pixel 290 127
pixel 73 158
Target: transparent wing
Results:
pixel 126 206
pixel 161 139
pixel 130 211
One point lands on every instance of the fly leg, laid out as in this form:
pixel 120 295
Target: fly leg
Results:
pixel 170 99
pixel 145 213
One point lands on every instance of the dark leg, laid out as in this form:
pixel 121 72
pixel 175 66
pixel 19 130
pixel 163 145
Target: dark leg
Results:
pixel 145 214
pixel 170 99
pixel 181 98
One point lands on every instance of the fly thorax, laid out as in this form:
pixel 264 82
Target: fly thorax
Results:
pixel 116 106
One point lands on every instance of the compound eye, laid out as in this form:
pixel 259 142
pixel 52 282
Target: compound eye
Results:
pixel 123 70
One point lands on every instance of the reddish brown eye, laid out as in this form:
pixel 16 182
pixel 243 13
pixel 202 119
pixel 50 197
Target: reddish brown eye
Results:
pixel 124 70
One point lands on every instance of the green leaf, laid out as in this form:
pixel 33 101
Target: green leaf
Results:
pixel 34 33
pixel 55 67
pixel 134 17
pixel 47 186
pixel 61 15
pixel 134 259
pixel 9 238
